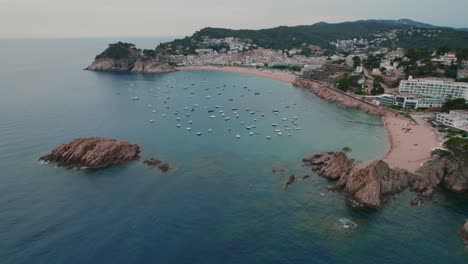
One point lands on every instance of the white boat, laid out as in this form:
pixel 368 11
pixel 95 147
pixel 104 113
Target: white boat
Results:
pixel 154 111
pixel 279 133
pixel 227 118
pixel 242 122
pixel 295 117
pixel 190 122
pixel 188 128
pixel 268 137
pixel 213 116
pixel 199 134
pixel 217 106
pixel 151 121
pixel 237 116
pixel 178 125
pixel 150 105
pixel 209 130
pixel 251 133
pixel 247 127
pixel 278 130
pixel 297 128
pixel 135 98
pixel 178 118
pixel 163 115
pixel 284 119
pixel 274 125
pixel 289 134
pixel 238 136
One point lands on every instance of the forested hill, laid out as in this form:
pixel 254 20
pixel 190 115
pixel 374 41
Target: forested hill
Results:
pixel 408 34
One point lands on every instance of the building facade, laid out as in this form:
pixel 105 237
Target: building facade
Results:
pixel 436 89
pixel 456 118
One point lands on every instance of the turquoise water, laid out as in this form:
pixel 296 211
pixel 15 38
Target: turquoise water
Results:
pixel 220 203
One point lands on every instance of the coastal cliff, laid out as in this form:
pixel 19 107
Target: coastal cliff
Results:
pixel 124 57
pixel 93 153
pixel 372 184
pixel 337 97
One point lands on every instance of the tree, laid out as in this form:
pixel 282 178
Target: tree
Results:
pixel 451 71
pixel 356 61
pixel 455 104
pixel 442 50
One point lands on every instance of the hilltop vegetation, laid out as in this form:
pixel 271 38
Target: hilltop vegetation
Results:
pixel 408 35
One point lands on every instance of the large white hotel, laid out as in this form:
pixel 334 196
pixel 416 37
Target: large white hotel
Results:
pixel 433 93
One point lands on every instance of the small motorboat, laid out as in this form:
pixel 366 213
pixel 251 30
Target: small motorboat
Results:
pixel 135 98
pixel 199 133
pixel 188 128
pixel 268 137
pixel 274 125
pixel 151 121
pixel 213 116
pixel 227 118
pixel 237 136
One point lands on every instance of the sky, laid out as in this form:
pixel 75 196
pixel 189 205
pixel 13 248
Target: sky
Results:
pixel 110 18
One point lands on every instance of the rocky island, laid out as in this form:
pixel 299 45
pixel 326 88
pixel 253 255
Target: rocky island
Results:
pixel 124 57
pixel 93 153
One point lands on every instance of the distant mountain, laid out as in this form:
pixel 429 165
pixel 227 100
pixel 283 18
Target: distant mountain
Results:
pixel 402 22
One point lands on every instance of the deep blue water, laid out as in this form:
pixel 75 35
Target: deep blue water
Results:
pixel 220 203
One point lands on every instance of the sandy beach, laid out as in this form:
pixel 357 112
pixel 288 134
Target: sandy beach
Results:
pixel 271 74
pixel 410 144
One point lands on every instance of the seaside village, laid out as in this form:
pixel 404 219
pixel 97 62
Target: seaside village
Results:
pixel 433 83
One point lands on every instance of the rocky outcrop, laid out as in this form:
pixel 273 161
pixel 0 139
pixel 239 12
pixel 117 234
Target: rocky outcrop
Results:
pixel 93 152
pixel 370 185
pixel 451 171
pixel 464 232
pixel 338 97
pixel 124 57
pixel 129 65
pixel 290 181
pixel 332 166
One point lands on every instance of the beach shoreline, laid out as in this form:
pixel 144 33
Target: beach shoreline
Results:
pixel 410 143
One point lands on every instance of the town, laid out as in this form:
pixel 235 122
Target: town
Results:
pixel 408 81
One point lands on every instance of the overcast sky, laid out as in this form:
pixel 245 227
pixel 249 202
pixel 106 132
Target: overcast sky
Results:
pixel 104 18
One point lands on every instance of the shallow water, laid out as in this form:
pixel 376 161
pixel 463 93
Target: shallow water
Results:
pixel 220 203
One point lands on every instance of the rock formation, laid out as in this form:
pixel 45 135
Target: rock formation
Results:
pixel 93 152
pixel 370 185
pixel 124 57
pixel 464 232
pixel 331 166
pixel 338 97
pixel 153 162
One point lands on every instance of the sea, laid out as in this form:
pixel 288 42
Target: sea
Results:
pixel 223 201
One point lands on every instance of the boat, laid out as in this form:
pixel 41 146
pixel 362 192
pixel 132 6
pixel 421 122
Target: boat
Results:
pixel 163 115
pixel 217 106
pixel 247 127
pixel 210 111
pixel 209 130
pixel 213 116
pixel 135 98
pixel 279 133
pixel 289 134
pixel 237 116
pixel 257 93
pixel 251 133
pixel 295 117
pixel 151 121
pixel 154 111
pixel 237 136
pixel 188 128
pixel 268 137
pixel 199 134
pixel 227 118
pixel 178 125
pixel 242 122
pixel 297 128
pixel 190 122
pixel 252 113
pixel 274 125
pixel 284 119
pixel 278 130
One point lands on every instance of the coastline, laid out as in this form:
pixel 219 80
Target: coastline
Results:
pixel 408 149
pixel 282 76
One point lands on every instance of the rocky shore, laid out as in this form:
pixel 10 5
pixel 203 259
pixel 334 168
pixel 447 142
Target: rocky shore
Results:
pixel 93 153
pixel 370 185
pixel 338 97
pixel 464 232
pixel 124 57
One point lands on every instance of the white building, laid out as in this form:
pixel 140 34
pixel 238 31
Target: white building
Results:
pixel 456 118
pixel 435 89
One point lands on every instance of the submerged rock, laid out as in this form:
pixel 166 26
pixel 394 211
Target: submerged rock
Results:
pixel 152 162
pixel 93 152
pixel 290 181
pixel 464 233
pixel 164 167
